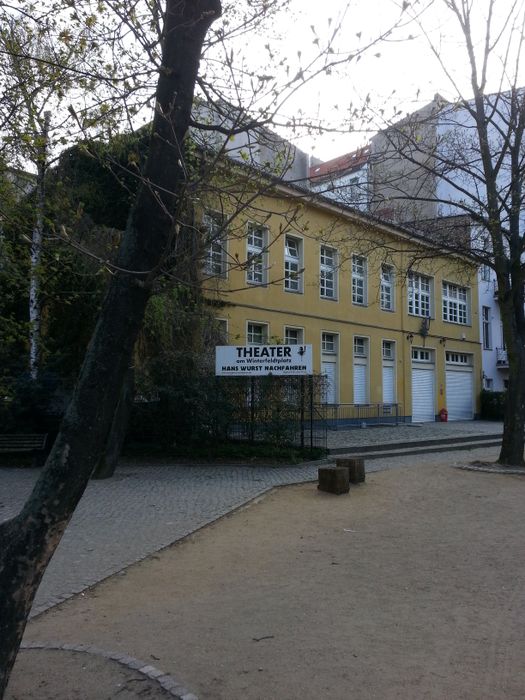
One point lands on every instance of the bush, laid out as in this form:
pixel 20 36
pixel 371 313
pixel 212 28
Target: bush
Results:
pixel 34 406
pixel 492 404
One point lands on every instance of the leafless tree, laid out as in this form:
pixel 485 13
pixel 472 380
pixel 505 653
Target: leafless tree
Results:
pixel 455 170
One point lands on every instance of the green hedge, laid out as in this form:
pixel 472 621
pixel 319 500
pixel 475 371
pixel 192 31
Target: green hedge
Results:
pixel 492 404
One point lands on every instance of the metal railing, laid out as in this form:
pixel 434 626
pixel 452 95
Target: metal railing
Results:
pixel 502 358
pixel 348 415
pixel 277 410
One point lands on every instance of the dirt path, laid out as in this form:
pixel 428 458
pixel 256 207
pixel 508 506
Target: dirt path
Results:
pixel 410 587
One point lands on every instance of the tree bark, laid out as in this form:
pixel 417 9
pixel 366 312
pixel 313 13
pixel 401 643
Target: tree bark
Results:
pixel 28 541
pixel 117 434
pixel 36 254
pixel 512 313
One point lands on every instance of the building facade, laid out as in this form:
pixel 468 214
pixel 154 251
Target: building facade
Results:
pixel 390 320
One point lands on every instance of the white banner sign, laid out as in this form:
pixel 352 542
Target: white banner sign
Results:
pixel 262 360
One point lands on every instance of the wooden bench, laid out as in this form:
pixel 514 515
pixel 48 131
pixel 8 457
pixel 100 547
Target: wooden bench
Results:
pixel 25 443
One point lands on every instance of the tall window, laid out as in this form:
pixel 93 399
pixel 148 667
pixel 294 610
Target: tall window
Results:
pixel 293 279
pixel 387 288
pixel 293 336
pixel 256 246
pixel 455 303
pixel 257 333
pixel 419 295
pixel 215 240
pixel 485 273
pixel 328 273
pixel 487 328
pixel 359 280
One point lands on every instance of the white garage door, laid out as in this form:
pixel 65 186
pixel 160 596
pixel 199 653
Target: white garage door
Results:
pixel 460 395
pixel 330 388
pixel 423 395
pixel 388 384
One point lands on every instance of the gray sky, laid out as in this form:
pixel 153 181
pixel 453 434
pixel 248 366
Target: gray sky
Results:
pixel 404 75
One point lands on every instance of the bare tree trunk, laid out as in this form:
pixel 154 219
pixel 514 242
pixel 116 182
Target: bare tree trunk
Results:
pixel 36 254
pixel 28 541
pixel 513 443
pixel 117 434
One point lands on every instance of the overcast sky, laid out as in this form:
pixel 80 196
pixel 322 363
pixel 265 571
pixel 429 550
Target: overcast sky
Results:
pixel 399 73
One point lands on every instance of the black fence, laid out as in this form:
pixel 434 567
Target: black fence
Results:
pixel 279 410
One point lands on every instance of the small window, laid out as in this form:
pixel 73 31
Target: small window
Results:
pixel 387 287
pixel 293 336
pixel 329 343
pixel 293 278
pixel 388 350
pixel 256 243
pixel 359 280
pixel 458 358
pixel 215 241
pixel 257 334
pixel 360 347
pixel 421 355
pixel 328 273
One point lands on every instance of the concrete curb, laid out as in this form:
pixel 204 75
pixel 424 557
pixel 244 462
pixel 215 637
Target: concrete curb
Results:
pixel 490 469
pixel 170 684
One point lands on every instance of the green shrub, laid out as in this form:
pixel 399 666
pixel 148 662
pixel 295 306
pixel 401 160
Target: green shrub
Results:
pixel 492 404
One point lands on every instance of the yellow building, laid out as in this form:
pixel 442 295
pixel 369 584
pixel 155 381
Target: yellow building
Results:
pixel 391 320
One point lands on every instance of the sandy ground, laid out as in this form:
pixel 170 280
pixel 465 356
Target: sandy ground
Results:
pixel 410 587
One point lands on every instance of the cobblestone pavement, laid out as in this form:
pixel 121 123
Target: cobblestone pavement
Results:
pixel 146 507
pixel 411 432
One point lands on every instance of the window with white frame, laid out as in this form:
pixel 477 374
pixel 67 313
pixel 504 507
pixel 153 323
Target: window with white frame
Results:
pixel 329 343
pixel 256 243
pixel 328 273
pixel 257 333
pixel 388 349
pixel 455 303
pixel 360 347
pixel 293 278
pixel 420 355
pixel 215 263
pixel 387 287
pixel 293 336
pixel 458 358
pixel 359 284
pixel 419 295
pixel 487 328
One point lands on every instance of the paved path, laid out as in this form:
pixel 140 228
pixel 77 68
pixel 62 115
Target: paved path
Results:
pixel 147 507
pixel 411 432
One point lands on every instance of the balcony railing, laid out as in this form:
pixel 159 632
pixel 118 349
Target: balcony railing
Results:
pixel 502 359
pixel 346 415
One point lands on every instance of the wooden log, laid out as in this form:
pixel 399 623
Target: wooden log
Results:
pixel 333 480
pixel 355 466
